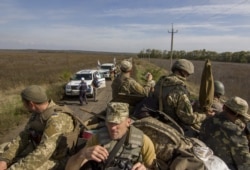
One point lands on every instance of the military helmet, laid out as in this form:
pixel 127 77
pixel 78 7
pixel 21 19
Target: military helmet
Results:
pixel 219 87
pixel 35 94
pixel 183 64
pixel 126 66
pixel 238 106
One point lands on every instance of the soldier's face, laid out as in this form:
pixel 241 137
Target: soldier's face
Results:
pixel 116 131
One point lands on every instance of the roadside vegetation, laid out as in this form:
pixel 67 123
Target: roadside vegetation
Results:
pixel 234 57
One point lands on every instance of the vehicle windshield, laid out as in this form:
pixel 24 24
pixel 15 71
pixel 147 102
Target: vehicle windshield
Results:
pixel 106 67
pixel 79 76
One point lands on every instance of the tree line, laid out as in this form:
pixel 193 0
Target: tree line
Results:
pixel 236 57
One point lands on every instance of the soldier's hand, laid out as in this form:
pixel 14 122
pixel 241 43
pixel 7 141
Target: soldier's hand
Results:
pixel 3 165
pixel 96 153
pixel 210 113
pixel 138 166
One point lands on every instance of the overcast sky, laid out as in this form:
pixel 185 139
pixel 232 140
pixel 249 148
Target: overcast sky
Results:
pixel 125 25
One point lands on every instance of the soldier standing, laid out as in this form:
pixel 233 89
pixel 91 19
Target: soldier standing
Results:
pixel 38 146
pixel 124 83
pixel 135 151
pixel 226 134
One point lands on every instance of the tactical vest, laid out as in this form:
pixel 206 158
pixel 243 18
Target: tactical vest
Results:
pixel 163 90
pixel 125 86
pixel 131 149
pixel 67 142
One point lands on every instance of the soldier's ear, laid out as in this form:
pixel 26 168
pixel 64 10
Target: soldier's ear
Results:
pixel 129 122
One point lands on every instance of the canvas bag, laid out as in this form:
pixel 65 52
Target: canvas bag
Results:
pixel 173 150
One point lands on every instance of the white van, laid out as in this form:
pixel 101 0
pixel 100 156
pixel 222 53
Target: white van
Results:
pixel 105 68
pixel 72 87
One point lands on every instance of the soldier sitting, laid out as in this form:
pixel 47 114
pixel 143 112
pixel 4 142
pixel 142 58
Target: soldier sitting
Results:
pixel 37 146
pixel 137 152
pixel 226 134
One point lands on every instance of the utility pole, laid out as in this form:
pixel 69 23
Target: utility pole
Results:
pixel 172 42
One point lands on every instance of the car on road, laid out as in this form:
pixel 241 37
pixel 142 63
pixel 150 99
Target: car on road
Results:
pixel 72 87
pixel 106 68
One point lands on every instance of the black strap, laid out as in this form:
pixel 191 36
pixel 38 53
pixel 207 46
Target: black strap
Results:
pixel 115 150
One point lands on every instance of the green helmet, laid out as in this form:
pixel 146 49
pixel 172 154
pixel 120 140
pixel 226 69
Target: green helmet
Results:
pixel 219 88
pixel 183 64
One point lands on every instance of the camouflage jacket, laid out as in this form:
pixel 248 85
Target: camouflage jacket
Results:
pixel 38 142
pixel 127 85
pixel 171 90
pixel 228 140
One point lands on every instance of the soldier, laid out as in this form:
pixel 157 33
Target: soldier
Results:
pixel 173 98
pixel 136 150
pixel 226 134
pixel 151 82
pixel 41 145
pixel 123 83
pixel 219 90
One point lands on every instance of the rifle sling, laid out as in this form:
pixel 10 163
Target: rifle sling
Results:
pixel 115 150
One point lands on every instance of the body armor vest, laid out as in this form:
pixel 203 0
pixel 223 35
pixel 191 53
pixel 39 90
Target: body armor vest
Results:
pixel 163 89
pixel 130 150
pixel 67 141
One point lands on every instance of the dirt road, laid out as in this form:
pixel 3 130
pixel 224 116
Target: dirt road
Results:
pixel 104 96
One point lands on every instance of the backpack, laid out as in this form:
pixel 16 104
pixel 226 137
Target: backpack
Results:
pixel 96 83
pixel 173 149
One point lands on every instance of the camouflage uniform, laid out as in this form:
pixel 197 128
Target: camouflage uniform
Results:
pixel 176 103
pixel 36 146
pixel 123 83
pixel 127 85
pixel 228 139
